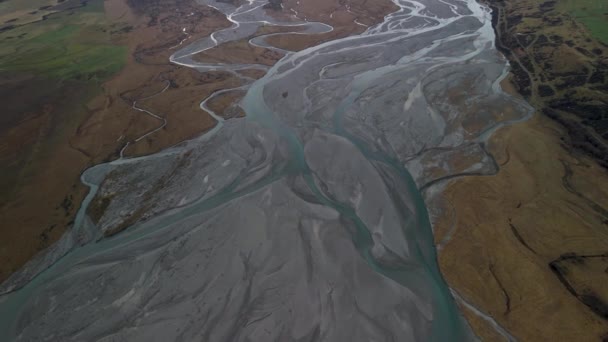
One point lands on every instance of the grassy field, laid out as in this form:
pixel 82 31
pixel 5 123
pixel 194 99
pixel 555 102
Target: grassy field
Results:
pixel 50 70
pixel 66 46
pixel 518 246
pixel 592 13
pixel 55 54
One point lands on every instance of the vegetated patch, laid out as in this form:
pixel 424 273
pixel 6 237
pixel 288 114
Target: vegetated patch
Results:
pixel 545 90
pixel 55 54
pixel 98 207
pixel 49 70
pixel 592 13
pixel 562 71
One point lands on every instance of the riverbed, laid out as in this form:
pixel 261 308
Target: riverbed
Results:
pixel 304 220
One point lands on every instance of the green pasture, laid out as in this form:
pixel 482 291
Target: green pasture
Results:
pixel 75 46
pixel 592 13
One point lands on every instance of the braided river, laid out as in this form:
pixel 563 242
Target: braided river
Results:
pixel 305 220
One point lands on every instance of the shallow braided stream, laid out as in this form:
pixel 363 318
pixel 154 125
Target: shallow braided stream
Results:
pixel 302 221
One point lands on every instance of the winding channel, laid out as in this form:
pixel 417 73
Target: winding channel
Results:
pixel 303 220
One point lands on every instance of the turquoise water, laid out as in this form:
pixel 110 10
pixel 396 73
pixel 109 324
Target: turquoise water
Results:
pixel 423 272
pixel 419 272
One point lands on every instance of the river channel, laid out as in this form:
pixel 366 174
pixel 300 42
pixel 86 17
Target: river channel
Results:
pixel 303 221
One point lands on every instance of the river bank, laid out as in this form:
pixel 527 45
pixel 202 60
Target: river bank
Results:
pixel 58 127
pixel 527 246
